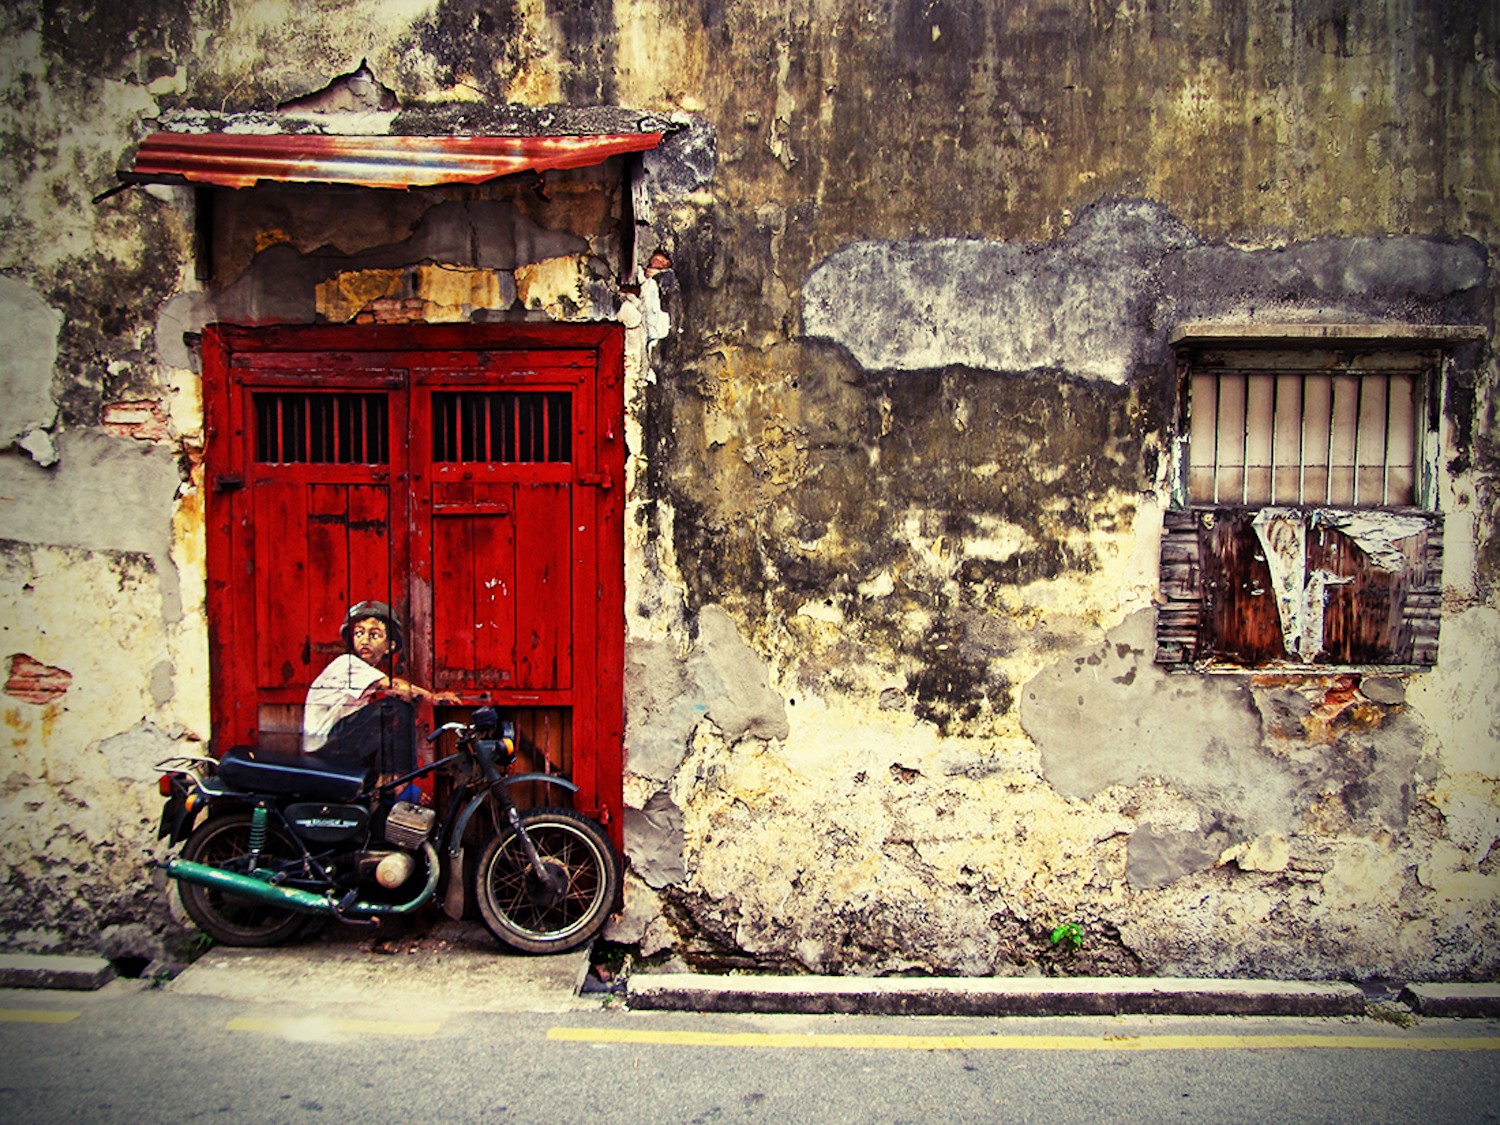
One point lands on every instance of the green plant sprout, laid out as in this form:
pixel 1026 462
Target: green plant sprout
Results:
pixel 1069 934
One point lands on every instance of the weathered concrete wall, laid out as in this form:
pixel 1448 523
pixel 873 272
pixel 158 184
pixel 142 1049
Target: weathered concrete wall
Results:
pixel 897 467
pixel 940 534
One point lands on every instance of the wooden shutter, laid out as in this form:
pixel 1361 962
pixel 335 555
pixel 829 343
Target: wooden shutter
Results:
pixel 1375 579
pixel 1180 611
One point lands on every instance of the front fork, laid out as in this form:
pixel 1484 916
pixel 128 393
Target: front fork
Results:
pixel 548 876
pixel 498 789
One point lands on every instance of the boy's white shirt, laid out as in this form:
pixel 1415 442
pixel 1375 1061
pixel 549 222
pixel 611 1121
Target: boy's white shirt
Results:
pixel 338 691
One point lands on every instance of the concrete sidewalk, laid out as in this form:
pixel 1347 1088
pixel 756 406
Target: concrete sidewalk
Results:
pixel 442 967
pixel 447 967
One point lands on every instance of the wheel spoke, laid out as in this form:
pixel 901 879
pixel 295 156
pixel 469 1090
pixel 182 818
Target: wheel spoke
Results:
pixel 549 918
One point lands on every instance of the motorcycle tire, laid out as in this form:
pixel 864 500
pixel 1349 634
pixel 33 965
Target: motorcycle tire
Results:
pixel 520 911
pixel 224 841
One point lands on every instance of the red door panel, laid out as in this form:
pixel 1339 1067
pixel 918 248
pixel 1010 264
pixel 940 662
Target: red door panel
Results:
pixel 544 587
pixel 348 559
pixel 500 452
pixel 473 586
pixel 279 516
pixel 313 543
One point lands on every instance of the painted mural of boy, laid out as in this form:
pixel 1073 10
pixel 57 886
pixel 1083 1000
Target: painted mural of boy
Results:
pixel 358 713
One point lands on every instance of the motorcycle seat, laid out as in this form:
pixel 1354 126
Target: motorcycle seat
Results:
pixel 251 769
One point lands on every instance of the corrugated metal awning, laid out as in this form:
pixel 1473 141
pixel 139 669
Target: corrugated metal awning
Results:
pixel 237 160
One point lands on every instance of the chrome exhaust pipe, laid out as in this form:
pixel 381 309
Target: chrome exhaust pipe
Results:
pixel 293 898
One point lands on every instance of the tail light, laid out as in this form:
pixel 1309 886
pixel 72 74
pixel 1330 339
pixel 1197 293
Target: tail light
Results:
pixel 164 785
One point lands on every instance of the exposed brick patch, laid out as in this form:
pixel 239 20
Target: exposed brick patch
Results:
pixel 393 310
pixel 431 294
pixel 143 419
pixel 31 681
pixel 342 298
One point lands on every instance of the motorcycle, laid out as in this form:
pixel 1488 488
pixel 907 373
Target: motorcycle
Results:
pixel 272 842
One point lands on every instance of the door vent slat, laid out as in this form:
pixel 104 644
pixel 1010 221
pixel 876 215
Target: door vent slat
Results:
pixel 505 427
pixel 321 428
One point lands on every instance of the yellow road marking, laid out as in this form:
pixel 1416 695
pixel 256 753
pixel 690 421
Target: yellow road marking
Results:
pixel 1020 1042
pixel 36 1015
pixel 314 1028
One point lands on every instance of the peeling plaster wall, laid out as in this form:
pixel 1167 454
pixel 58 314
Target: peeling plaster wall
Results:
pixel 1073 305
pixel 78 803
pixel 932 449
pixel 29 410
pixel 103 407
pixel 900 439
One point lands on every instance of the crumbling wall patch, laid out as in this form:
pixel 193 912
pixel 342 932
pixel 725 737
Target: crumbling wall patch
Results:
pixel 27 409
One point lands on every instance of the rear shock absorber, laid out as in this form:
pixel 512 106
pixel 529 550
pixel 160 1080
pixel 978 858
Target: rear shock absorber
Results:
pixel 257 834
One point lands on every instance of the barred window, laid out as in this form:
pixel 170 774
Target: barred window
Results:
pixel 1341 438
pixel 321 428
pixel 1305 532
pixel 510 427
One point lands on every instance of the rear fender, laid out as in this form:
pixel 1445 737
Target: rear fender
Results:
pixel 176 820
pixel 189 797
pixel 196 786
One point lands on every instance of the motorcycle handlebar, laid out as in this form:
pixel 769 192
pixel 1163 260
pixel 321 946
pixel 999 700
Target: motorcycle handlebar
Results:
pixel 479 735
pixel 482 723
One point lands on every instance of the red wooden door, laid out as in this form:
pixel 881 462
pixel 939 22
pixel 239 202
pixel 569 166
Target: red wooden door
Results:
pixel 468 476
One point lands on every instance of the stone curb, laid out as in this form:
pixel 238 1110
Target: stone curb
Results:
pixel 1470 1001
pixel 992 996
pixel 35 970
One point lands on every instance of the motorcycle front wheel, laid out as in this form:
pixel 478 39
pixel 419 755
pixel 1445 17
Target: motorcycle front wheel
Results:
pixel 224 842
pixel 563 911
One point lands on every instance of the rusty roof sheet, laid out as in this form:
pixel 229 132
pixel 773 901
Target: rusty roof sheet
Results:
pixel 237 160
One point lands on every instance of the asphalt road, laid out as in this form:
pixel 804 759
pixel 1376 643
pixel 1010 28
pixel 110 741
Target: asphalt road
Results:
pixel 130 1053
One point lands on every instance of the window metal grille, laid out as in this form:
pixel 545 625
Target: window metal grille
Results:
pixel 300 427
pixel 513 427
pixel 1332 438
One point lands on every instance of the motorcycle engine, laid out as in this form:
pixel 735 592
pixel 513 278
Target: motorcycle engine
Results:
pixel 389 869
pixel 409 825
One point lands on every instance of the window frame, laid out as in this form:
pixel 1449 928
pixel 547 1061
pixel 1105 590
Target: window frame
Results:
pixel 1193 632
pixel 1424 349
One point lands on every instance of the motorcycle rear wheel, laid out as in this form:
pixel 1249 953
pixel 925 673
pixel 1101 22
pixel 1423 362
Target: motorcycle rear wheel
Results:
pixel 515 905
pixel 224 842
